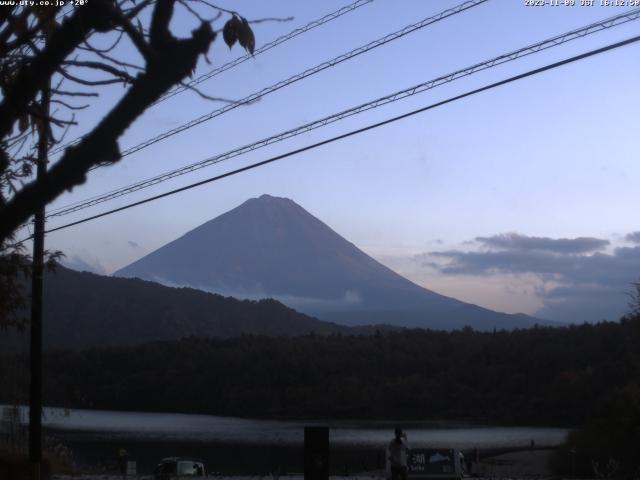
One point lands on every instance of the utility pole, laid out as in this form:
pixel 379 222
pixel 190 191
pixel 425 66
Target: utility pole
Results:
pixel 37 270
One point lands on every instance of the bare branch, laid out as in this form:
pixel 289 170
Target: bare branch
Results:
pixel 33 76
pixel 90 83
pixel 101 66
pixel 61 123
pixel 111 59
pixel 26 36
pixel 19 141
pixel 33 47
pixel 105 50
pixel 74 94
pixel 204 95
pixel 136 37
pixel 14 25
pixel 69 106
pixel 271 19
pixel 133 12
pixel 64 133
pixel 231 12
pixel 185 4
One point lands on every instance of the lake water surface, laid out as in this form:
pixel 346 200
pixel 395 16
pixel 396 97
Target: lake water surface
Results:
pixel 174 426
pixel 239 445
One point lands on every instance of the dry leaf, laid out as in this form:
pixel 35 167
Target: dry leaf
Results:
pixel 231 31
pixel 246 37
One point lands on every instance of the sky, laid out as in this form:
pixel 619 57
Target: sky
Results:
pixel 519 199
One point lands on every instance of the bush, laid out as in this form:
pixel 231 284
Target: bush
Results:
pixel 609 444
pixel 15 466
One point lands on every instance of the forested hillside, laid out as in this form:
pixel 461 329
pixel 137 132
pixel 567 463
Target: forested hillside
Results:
pixel 542 375
pixel 84 310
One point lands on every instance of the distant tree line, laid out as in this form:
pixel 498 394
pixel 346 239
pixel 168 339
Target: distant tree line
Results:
pixel 550 376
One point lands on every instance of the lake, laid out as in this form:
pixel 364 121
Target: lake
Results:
pixel 255 446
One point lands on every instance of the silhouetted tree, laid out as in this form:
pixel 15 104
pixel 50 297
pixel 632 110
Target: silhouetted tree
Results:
pixel 634 303
pixel 46 49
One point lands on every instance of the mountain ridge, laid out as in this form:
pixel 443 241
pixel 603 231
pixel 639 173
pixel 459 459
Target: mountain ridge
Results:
pixel 84 310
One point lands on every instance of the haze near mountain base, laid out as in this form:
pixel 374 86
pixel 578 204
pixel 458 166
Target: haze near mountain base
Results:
pixel 272 247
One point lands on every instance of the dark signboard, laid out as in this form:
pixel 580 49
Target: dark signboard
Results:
pixel 430 461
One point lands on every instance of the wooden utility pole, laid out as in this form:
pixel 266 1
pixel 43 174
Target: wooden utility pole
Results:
pixel 37 271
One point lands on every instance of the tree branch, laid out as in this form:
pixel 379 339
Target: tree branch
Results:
pixel 115 61
pixel 74 94
pixel 103 50
pixel 69 106
pixel 33 76
pixel 90 83
pixel 204 96
pixel 100 145
pixel 101 66
pixel 159 31
pixel 136 37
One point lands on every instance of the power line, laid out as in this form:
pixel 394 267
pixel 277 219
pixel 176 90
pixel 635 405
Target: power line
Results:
pixel 307 73
pixel 234 63
pixel 507 57
pixel 357 131
pixel 266 47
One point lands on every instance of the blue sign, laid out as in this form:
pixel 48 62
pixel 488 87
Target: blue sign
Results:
pixel 431 461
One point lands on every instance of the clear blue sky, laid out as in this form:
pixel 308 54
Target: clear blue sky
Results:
pixel 550 157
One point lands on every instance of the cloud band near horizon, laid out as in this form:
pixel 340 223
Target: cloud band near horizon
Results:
pixel 578 281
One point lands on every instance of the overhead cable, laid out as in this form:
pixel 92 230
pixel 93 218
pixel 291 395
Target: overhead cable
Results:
pixel 302 75
pixel 266 47
pixel 414 90
pixel 355 132
pixel 234 63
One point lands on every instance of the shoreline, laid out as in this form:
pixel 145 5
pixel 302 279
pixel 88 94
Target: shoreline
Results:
pixel 476 422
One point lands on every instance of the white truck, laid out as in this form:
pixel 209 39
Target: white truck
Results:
pixel 179 468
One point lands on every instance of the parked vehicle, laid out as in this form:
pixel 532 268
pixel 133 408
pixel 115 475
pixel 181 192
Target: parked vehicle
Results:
pixel 174 468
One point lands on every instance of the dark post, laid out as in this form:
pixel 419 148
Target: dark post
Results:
pixel 316 453
pixel 35 388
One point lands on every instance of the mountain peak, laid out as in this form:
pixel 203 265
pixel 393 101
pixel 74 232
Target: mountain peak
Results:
pixel 266 199
pixel 272 247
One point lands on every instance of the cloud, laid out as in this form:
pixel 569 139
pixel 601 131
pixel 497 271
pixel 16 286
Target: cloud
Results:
pixel 623 265
pixel 303 304
pixel 515 241
pixel 133 244
pixel 578 282
pixel 633 237
pixel 84 265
